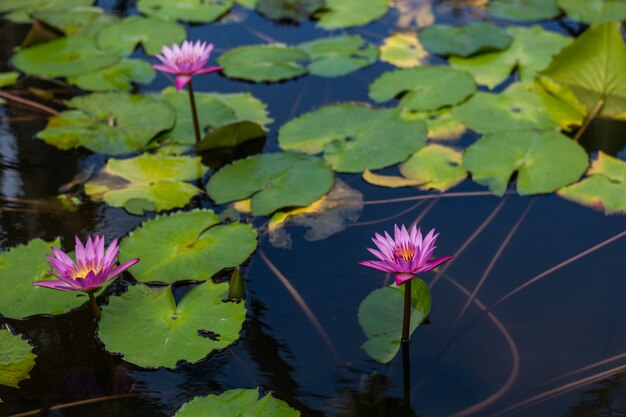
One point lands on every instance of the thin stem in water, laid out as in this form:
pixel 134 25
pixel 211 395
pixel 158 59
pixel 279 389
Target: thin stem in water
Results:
pixel 94 305
pixel 594 113
pixel 194 112
pixel 406 375
pixel 406 324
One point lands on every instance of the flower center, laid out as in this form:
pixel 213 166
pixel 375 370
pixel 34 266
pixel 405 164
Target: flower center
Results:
pixel 405 251
pixel 82 271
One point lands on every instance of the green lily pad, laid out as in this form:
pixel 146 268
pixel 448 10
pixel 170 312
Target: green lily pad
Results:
pixel 236 403
pixel 293 10
pixel 437 167
pixel 523 10
pixel 544 161
pixel 263 63
pixel 353 137
pixel 403 50
pixel 381 314
pixel 19 11
pixel 118 77
pixel 531 51
pixel 152 33
pixel 273 181
pixel 341 55
pixel 214 111
pixel 80 20
pixel 16 359
pixel 63 57
pixel 249 4
pixel 164 332
pixel 604 188
pixel 231 135
pixel 160 179
pixel 194 11
pixel 441 124
pixel 187 246
pixel 19 298
pixel 8 78
pixel 594 69
pixel 464 40
pixel 111 123
pixel 594 11
pixel 423 88
pixel 339 14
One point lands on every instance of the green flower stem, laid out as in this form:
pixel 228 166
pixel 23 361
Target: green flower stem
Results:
pixel 194 112
pixel 94 305
pixel 407 312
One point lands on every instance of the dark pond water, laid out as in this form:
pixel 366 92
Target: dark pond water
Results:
pixel 552 346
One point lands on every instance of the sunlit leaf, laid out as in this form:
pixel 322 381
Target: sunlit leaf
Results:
pixel 544 161
pixel 19 11
pixel 340 14
pixel 80 20
pixel 340 55
pixel 118 77
pixel 8 78
pixel 604 188
pixel 160 179
pixel 524 10
pixel 16 359
pixel 381 315
pixel 263 63
pixel 293 10
pixel 531 51
pixel 186 246
pixel 464 40
pixel 274 181
pixel 441 124
pixel 151 330
pixel 353 137
pixel 594 11
pixel 403 50
pixel 151 33
pixel 196 11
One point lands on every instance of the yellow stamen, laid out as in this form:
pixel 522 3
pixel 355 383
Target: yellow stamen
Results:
pixel 405 252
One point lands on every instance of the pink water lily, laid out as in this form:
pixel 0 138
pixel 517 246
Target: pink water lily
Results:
pixel 93 267
pixel 406 255
pixel 186 61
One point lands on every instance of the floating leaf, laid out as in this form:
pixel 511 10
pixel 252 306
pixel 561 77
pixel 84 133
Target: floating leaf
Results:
pixel 19 298
pixel 187 246
pixel 464 40
pixel 111 123
pixel 544 161
pixel 403 50
pixel 441 124
pixel 341 55
pixel 118 77
pixel 423 88
pixel 16 359
pixel 236 403
pixel 19 11
pixel 231 135
pixel 247 3
pixel 151 330
pixel 524 10
pixel 594 11
pixel 152 33
pixel 353 137
pixel 195 11
pixel 274 181
pixel 160 179
pixel 531 51
pixel 8 78
pixel 214 110
pixel 63 57
pixel 81 20
pixel 414 14
pixel 293 10
pixel 263 63
pixel 381 315
pixel 339 14
pixel 604 188
pixel 594 68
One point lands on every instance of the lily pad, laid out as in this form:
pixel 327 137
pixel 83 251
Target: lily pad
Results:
pixel 164 332
pixel 524 10
pixel 231 135
pixel 8 78
pixel 292 10
pixel 531 51
pixel 19 298
pixel 339 14
pixel 544 161
pixel 63 57
pixel 353 137
pixel 263 63
pixel 594 11
pixel 236 403
pixel 194 11
pixel 111 123
pixel 403 50
pixel 159 179
pixel 19 11
pixel 604 188
pixel 16 359
pixel 594 69
pixel 464 40
pixel 214 111
pixel 118 77
pixel 274 181
pixel 341 55
pixel 80 20
pixel 381 313
pixel 187 246
pixel 441 124
pixel 152 33
pixel 423 88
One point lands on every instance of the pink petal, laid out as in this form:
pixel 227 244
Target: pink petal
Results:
pixel 63 257
pixel 381 266
pixel 56 285
pixel 208 70
pixel 432 264
pixel 115 272
pixel 403 277
pixel 182 80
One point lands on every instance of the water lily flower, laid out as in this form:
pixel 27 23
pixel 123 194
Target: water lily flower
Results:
pixel 406 255
pixel 93 267
pixel 185 61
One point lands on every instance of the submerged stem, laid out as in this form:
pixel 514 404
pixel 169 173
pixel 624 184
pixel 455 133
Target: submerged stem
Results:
pixel 406 376
pixel 94 305
pixel 406 324
pixel 594 113
pixel 194 112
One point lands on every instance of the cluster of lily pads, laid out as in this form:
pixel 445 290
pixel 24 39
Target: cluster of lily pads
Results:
pixel 560 85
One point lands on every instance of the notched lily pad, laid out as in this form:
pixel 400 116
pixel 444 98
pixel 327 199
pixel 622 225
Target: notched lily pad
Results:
pixel 341 55
pixel 16 359
pixel 403 50
pixel 118 77
pixel 80 20
pixel 20 11
pixel 339 14
pixel 264 63
pixel 187 246
pixel 464 40
pixel 194 11
pixel 524 10
pixel 152 33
